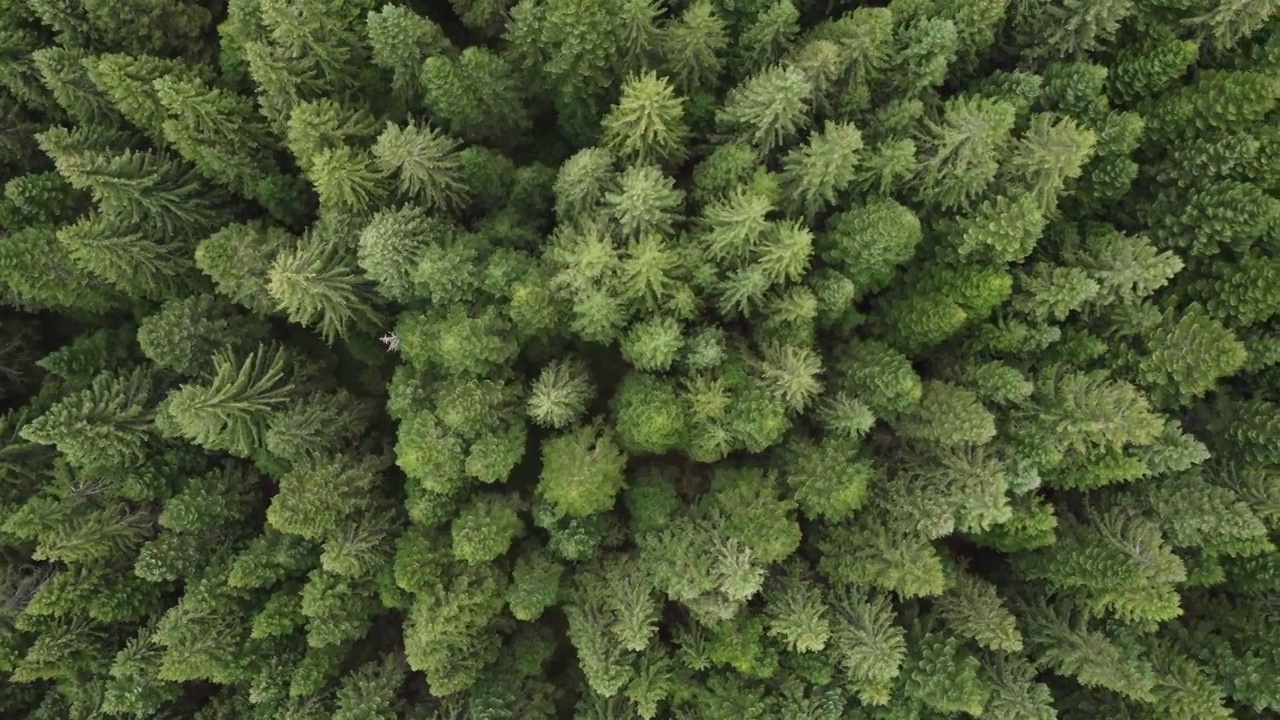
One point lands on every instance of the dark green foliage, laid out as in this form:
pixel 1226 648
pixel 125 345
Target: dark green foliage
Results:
pixel 638 360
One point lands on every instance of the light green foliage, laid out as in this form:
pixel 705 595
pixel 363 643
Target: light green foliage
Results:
pixel 238 258
pixel 653 345
pixel 798 615
pixel 974 610
pixel 1067 27
pixel 107 245
pixel 1048 155
pixel 647 124
pixel 582 182
pixel 456 341
pixel 560 394
pixel 394 243
pixel 347 179
pixel 1005 229
pixel 215 499
pixel 754 515
pixel 535 585
pixel 426 165
pixel 878 376
pixel 947 415
pixel 485 528
pixel 1217 100
pixel 816 173
pixel 768 109
pixel 186 333
pixel 219 132
pixel 107 424
pixel 316 495
pixel 231 411
pixel 1187 355
pixel 828 479
pixel 1054 292
pixel 868 646
pixel 961 154
pixel 870 241
pixel 791 375
pixel 1145 69
pixel 582 472
pixel 646 201
pixel 1131 573
pixel 371 691
pixel 318 285
pixel 326 124
pixel 692 47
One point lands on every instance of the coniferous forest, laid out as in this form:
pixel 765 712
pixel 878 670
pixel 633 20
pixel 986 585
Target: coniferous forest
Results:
pixel 640 359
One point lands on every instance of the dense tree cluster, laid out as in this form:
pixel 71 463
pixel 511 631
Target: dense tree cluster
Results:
pixel 636 359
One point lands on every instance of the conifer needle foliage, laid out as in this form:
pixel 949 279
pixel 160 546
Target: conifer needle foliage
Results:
pixel 640 359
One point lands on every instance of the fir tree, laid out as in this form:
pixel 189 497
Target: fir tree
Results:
pixel 231 411
pixel 477 95
pixel 647 123
pixel 759 358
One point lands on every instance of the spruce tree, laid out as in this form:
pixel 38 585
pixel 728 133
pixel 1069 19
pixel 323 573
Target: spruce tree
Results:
pixel 618 359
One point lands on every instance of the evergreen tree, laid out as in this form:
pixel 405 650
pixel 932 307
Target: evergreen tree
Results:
pixel 618 359
pixel 400 41
pixel 768 109
pixel 477 95
pixel 231 411
pixel 426 164
pixel 647 123
pixel 318 284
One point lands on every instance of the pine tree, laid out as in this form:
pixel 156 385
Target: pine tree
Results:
pixel 124 254
pixel 771 33
pixel 768 109
pixel 63 71
pixel 560 394
pixel 220 133
pixel 816 173
pixel 186 333
pixel 400 41
pixel 239 257
pixel 646 201
pixel 171 27
pixel 485 528
pixel 690 47
pixel 582 472
pixel 232 410
pixel 318 284
pixel 582 182
pixel 962 153
pixel 762 358
pixel 1067 27
pixel 561 38
pixel 477 95
pixel 393 244
pixel 647 123
pixel 921 53
pixel 426 164
pixel 106 425
pixel 152 189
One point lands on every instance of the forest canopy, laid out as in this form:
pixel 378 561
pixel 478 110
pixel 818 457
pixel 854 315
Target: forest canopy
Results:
pixel 640 359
